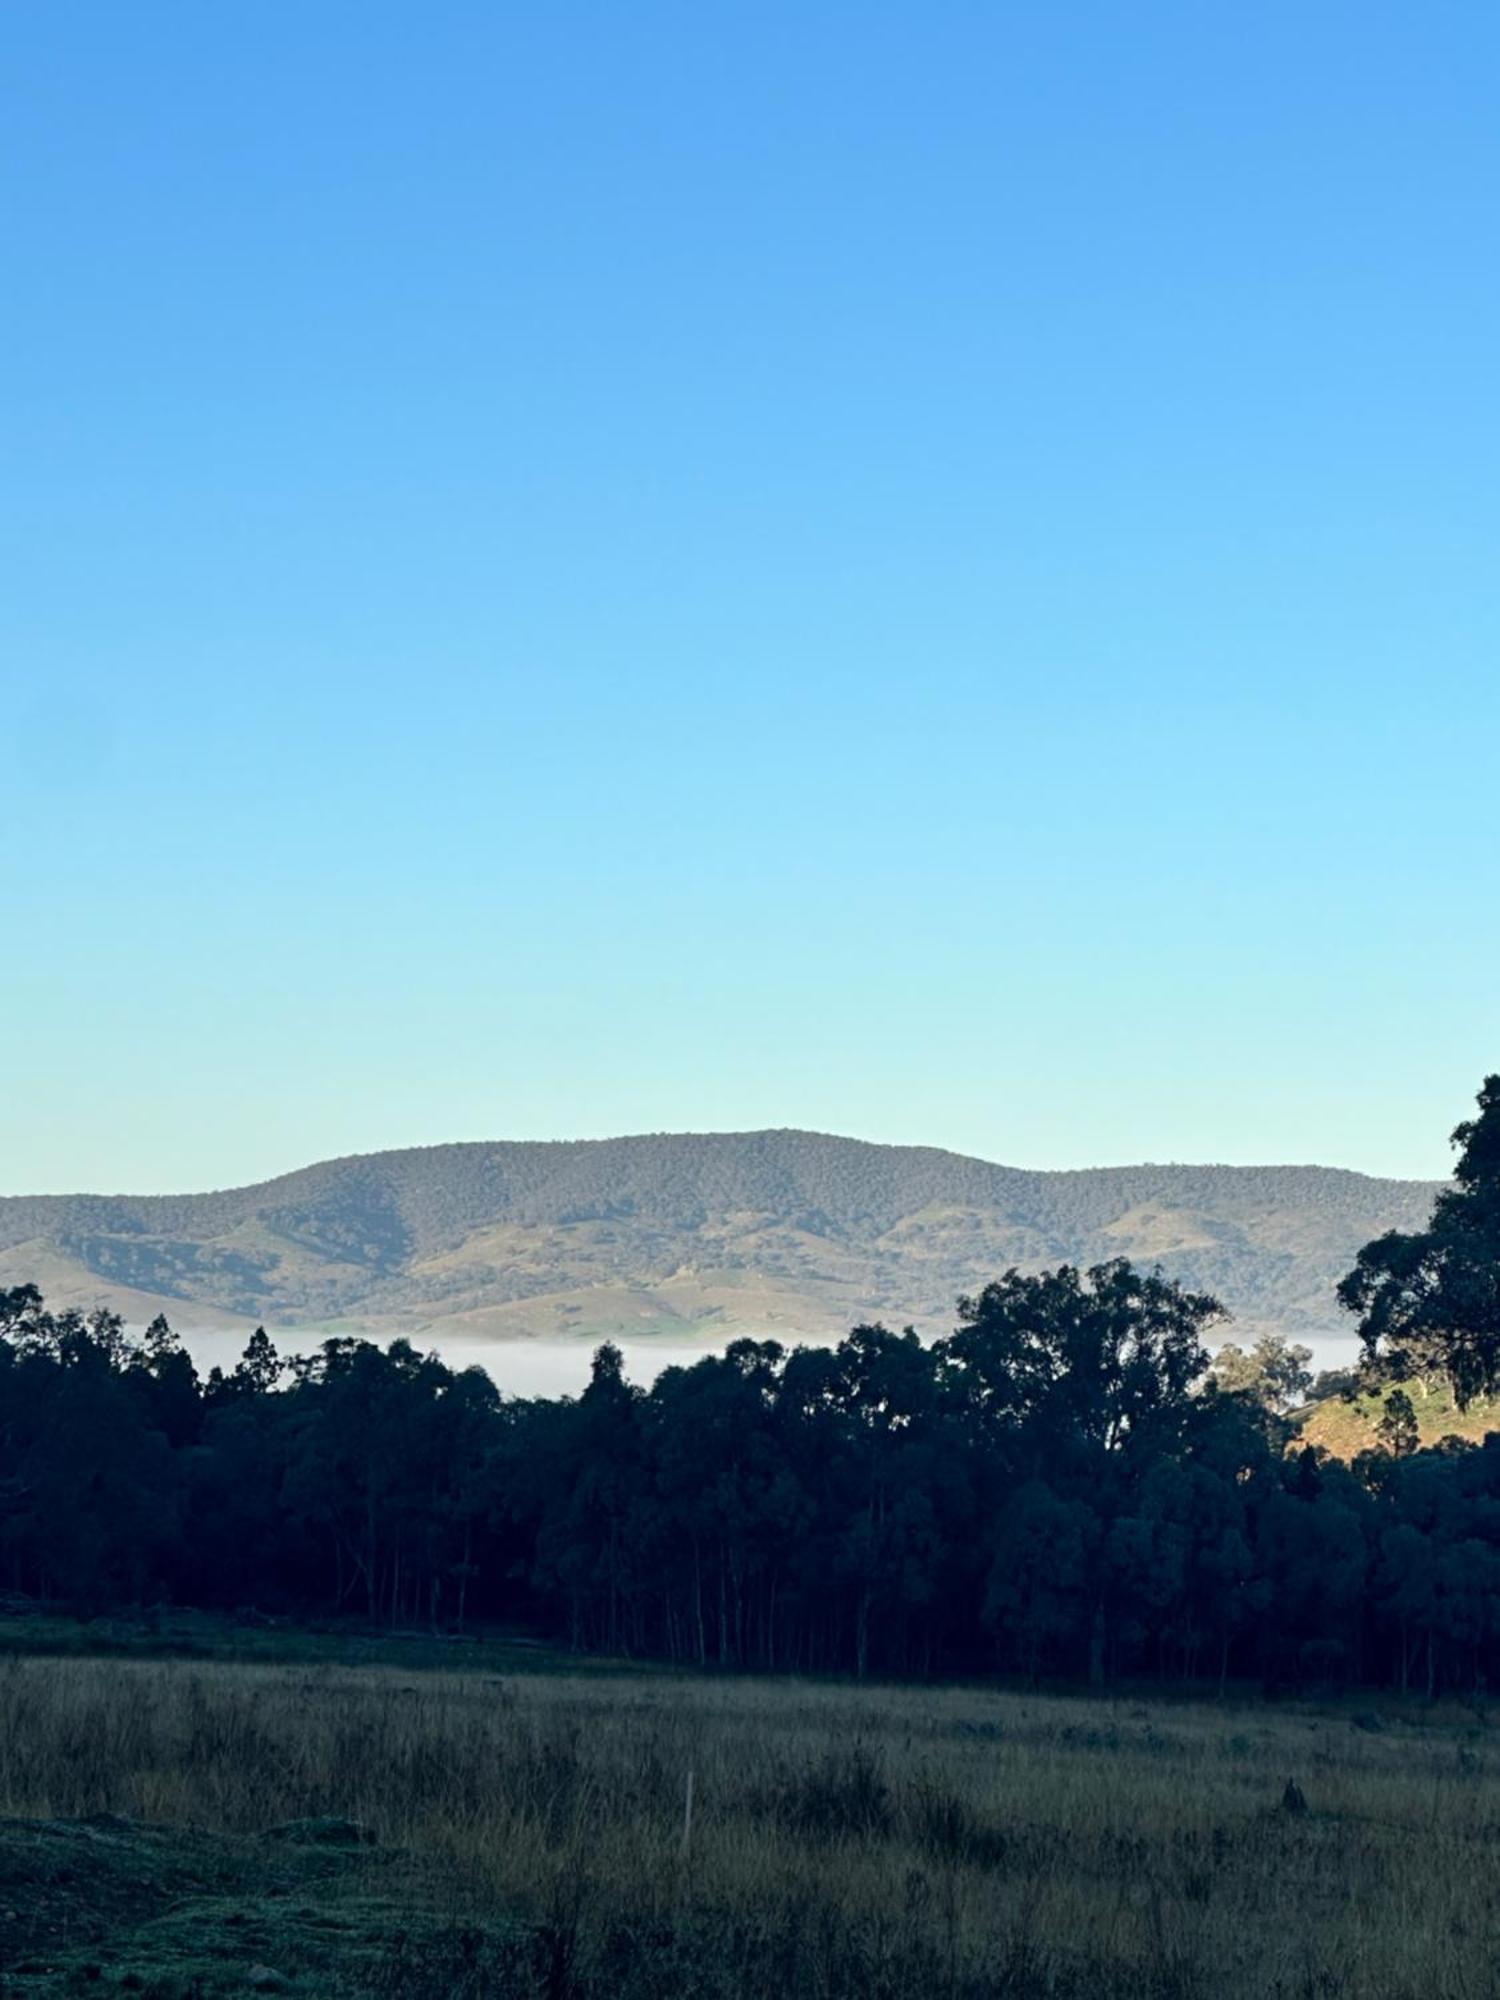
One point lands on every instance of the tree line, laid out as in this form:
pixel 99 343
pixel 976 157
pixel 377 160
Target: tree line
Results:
pixel 1066 1486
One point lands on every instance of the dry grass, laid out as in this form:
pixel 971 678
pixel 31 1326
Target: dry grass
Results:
pixel 844 1841
pixel 1346 1429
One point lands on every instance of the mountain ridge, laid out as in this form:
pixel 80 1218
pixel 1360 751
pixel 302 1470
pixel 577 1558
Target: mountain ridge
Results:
pixel 780 1231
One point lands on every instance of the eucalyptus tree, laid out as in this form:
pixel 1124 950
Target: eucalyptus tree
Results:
pixel 1429 1300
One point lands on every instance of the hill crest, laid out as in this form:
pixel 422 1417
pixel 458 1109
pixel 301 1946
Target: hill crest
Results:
pixel 782 1232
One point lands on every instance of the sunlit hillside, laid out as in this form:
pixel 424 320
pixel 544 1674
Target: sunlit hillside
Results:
pixel 1348 1428
pixel 703 1236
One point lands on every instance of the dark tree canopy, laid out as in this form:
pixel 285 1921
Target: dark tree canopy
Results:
pixel 1429 1302
pixel 1397 1428
pixel 1094 1357
pixel 1060 1488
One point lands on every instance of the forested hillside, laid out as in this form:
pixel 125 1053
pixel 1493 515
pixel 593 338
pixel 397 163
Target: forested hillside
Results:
pixel 784 1233
pixel 1065 1483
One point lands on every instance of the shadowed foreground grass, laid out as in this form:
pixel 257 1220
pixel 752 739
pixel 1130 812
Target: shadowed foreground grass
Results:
pixel 528 1836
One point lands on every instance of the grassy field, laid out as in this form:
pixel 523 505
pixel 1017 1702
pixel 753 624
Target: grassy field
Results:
pixel 1346 1429
pixel 183 1828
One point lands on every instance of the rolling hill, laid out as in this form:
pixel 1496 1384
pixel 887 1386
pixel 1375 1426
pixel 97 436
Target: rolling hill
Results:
pixel 1347 1428
pixel 785 1233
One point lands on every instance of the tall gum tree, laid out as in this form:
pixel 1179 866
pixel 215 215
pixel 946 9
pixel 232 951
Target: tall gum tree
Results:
pixel 1429 1302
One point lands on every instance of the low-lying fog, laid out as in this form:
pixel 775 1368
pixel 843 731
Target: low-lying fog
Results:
pixel 518 1367
pixel 561 1368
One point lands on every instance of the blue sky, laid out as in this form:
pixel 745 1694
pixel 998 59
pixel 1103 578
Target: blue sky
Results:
pixel 923 572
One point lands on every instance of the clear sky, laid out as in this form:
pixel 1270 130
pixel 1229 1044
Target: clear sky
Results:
pixel 923 571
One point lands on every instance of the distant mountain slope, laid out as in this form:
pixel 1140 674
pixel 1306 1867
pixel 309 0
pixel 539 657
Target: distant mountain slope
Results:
pixel 784 1233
